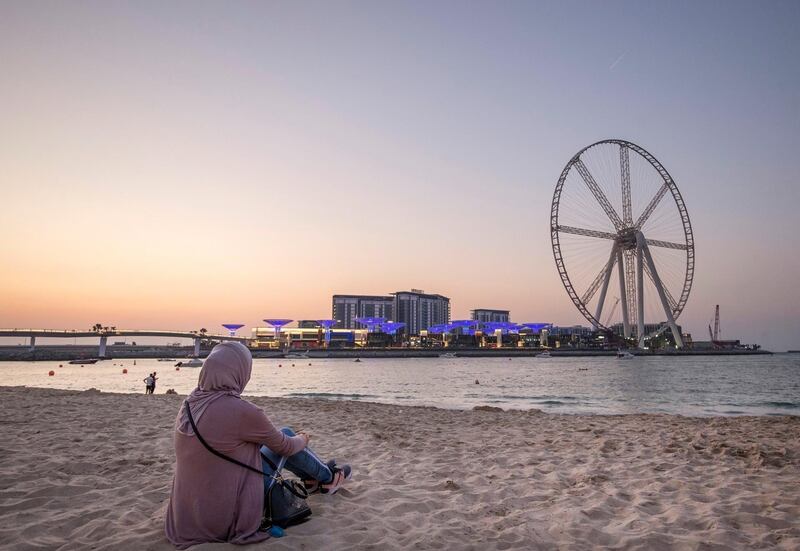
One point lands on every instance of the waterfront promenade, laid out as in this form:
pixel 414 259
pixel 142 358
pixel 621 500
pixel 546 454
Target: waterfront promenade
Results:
pixel 73 352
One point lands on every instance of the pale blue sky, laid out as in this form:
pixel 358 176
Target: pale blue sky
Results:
pixel 405 144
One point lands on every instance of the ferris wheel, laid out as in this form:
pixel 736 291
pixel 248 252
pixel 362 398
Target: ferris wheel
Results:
pixel 616 206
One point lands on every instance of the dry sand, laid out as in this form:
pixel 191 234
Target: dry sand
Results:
pixel 90 470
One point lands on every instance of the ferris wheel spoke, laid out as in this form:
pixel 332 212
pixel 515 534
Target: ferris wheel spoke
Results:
pixel 625 170
pixel 586 232
pixel 600 278
pixel 651 206
pixel 598 194
pixel 666 244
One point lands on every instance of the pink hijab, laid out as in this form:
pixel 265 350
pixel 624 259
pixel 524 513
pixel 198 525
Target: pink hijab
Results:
pixel 225 372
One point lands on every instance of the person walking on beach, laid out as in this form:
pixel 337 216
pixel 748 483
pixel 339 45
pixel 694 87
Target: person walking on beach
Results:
pixel 218 501
pixel 149 381
pixel 153 386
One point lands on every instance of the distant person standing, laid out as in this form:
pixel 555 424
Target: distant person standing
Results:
pixel 153 387
pixel 149 384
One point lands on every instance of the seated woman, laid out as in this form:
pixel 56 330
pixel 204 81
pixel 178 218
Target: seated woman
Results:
pixel 214 500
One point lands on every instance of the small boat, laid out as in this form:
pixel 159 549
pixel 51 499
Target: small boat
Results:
pixel 357 360
pixel 166 359
pixel 448 355
pixel 624 355
pixel 194 362
pixel 295 355
pixel 84 361
pixel 545 354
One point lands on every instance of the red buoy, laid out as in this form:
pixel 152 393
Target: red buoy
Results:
pixel 177 369
pixel 51 373
pixel 124 371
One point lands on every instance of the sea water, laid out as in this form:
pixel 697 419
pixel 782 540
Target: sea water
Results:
pixel 687 385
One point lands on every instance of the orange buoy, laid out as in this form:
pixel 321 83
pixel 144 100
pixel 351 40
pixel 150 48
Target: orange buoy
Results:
pixel 177 369
pixel 309 363
pixel 60 365
pixel 124 371
pixel 280 365
pixel 292 365
pixel 51 373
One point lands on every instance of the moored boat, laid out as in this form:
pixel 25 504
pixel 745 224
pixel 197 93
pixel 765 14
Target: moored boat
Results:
pixel 84 361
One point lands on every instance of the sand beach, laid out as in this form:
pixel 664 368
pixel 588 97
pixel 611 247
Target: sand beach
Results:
pixel 92 470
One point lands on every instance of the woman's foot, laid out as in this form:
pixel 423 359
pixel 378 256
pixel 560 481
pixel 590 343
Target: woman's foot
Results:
pixel 340 474
pixel 313 485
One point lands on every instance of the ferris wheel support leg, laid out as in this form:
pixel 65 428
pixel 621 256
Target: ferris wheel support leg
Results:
pixel 664 303
pixel 626 325
pixel 604 288
pixel 640 291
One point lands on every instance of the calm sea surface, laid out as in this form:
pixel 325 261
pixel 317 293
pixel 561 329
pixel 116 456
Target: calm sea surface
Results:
pixel 722 385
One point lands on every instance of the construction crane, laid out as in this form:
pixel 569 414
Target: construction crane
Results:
pixel 714 335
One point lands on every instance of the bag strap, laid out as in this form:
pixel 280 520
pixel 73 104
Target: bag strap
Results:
pixel 222 455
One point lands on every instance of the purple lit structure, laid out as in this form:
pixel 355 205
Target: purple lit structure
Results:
pixel 392 327
pixel 467 327
pixel 327 324
pixel 536 327
pixel 232 328
pixel 503 326
pixel 371 323
pixel 500 328
pixel 277 324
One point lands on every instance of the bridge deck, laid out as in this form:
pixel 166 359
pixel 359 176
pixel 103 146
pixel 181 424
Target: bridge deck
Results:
pixel 70 334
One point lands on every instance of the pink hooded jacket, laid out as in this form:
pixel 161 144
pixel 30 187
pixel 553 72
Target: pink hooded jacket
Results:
pixel 213 500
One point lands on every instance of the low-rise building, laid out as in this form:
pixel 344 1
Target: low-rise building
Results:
pixel 487 315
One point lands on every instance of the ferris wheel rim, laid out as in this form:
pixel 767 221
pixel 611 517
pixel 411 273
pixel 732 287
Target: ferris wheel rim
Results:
pixel 670 186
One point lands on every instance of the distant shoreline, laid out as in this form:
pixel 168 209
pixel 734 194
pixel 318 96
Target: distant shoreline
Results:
pixel 73 352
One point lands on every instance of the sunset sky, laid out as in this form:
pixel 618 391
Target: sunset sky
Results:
pixel 186 164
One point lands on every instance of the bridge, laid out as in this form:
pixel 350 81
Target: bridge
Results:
pixel 103 334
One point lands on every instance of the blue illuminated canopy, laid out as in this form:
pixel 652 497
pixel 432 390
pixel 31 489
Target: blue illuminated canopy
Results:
pixel 278 322
pixel 327 324
pixel 392 327
pixel 536 327
pixel 370 322
pixel 504 326
pixel 232 326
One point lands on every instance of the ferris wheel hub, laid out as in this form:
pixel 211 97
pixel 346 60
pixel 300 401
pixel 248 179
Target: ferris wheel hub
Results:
pixel 626 239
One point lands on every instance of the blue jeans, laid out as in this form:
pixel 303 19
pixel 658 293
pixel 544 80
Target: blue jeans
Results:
pixel 305 463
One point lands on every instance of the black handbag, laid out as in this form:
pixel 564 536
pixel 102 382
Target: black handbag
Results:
pixel 284 500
